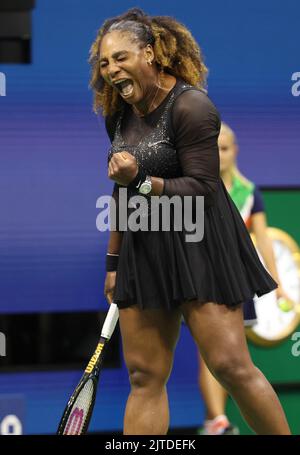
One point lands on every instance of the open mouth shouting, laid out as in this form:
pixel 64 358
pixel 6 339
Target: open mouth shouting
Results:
pixel 124 87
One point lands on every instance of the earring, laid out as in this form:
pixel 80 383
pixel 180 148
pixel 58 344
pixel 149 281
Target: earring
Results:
pixel 149 62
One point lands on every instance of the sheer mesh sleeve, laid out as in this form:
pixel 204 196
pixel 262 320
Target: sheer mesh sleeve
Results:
pixel 195 125
pixel 110 125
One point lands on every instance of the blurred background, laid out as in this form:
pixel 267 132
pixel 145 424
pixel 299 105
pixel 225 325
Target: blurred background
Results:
pixel 53 153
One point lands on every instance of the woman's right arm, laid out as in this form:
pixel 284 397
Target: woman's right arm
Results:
pixel 115 237
pixel 113 248
pixel 114 242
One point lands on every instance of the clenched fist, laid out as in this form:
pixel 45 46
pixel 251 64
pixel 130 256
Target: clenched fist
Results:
pixel 122 168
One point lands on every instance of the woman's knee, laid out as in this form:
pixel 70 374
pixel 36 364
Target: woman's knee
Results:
pixel 232 370
pixel 150 376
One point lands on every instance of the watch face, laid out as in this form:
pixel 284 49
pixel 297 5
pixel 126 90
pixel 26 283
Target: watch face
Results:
pixel 145 188
pixel 275 322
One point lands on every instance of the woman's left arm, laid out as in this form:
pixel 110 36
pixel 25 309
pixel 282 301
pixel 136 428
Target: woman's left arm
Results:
pixel 195 126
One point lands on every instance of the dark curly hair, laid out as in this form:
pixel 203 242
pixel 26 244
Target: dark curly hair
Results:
pixel 176 52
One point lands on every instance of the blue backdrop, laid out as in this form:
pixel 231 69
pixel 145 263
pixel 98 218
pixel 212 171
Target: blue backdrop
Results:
pixel 53 148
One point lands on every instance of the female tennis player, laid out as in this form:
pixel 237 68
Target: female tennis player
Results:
pixel 148 77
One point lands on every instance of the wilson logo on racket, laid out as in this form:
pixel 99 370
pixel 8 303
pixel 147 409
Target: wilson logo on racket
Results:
pixel 94 358
pixel 78 411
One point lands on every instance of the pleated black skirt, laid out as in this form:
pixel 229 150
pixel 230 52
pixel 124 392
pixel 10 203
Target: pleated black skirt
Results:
pixel 162 270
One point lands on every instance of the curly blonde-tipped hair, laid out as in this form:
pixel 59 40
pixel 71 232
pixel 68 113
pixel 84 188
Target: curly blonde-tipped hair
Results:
pixel 176 52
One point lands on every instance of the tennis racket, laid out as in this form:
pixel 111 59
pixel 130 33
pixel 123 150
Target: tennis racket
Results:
pixel 78 412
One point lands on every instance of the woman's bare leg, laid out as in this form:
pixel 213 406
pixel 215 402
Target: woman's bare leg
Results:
pixel 220 336
pixel 213 393
pixel 149 338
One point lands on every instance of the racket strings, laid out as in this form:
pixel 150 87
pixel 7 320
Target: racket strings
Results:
pixel 80 410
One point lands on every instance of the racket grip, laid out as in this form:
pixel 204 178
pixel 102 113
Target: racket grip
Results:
pixel 110 321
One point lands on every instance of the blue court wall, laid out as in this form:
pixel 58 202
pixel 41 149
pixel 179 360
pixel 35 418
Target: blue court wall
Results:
pixel 53 148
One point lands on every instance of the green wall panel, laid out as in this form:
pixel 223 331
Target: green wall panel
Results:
pixel 277 363
pixel 283 211
pixel 290 402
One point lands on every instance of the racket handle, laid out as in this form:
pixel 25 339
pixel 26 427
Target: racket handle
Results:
pixel 110 321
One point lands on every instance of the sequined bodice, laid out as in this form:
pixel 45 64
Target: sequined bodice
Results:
pixel 155 153
pixel 176 142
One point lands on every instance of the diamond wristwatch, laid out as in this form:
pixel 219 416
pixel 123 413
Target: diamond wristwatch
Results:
pixel 146 186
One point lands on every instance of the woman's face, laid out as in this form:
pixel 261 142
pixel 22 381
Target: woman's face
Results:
pixel 227 151
pixel 123 65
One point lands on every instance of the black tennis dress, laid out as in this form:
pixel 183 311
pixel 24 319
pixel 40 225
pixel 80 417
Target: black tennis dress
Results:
pixel 161 269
